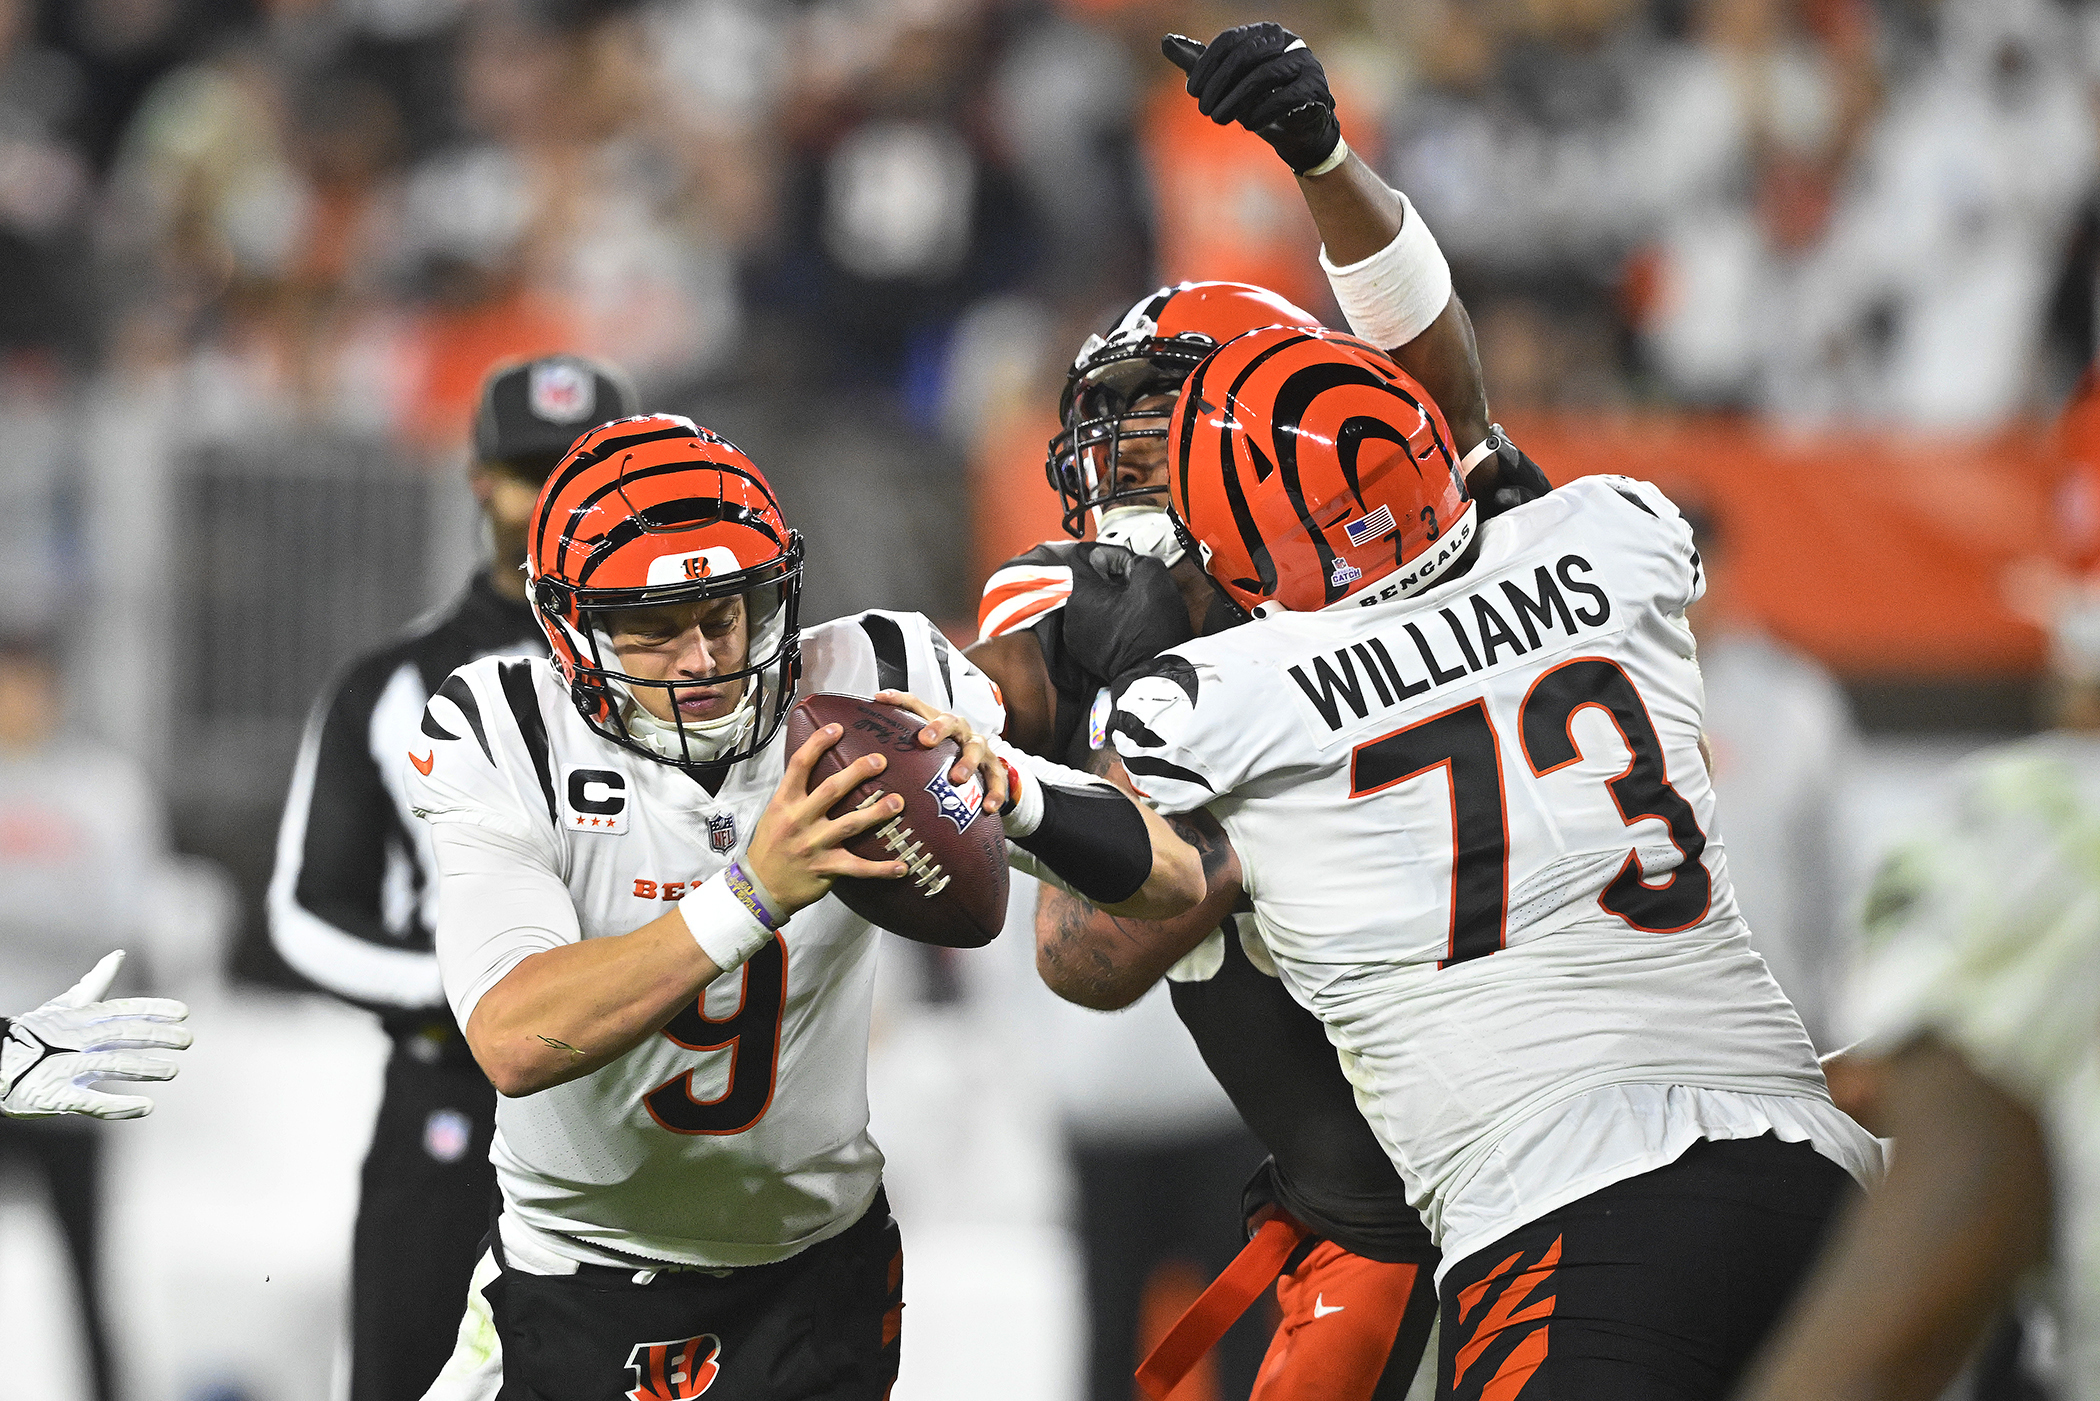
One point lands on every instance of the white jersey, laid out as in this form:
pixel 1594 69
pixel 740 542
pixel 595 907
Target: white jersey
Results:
pixel 1986 935
pixel 739 1135
pixel 1480 844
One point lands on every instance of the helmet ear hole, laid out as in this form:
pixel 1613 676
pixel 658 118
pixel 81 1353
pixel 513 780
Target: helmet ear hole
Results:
pixel 551 597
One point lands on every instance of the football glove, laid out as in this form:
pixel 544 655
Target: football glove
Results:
pixel 1506 479
pixel 1263 77
pixel 49 1058
pixel 1125 609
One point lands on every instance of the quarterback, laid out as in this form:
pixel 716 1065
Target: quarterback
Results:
pixel 1458 762
pixel 636 936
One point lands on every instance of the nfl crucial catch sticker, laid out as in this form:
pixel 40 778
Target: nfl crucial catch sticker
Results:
pixel 958 805
pixel 1344 574
pixel 1097 719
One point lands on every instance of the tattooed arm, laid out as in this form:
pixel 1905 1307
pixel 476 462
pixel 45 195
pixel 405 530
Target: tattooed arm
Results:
pixel 1106 962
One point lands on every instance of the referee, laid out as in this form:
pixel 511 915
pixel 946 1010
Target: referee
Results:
pixel 353 902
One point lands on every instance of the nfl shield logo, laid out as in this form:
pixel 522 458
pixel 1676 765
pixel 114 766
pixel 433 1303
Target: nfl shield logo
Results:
pixel 959 806
pixel 561 392
pixel 721 832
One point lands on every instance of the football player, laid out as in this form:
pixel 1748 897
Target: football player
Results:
pixel 1061 621
pixel 1458 762
pixel 636 934
pixel 353 897
pixel 52 1056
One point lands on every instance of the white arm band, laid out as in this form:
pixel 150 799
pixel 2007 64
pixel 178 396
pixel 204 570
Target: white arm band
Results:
pixel 725 928
pixel 1391 297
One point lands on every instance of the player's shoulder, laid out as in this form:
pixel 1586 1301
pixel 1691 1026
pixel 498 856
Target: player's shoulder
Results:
pixel 878 650
pixel 1032 584
pixel 490 734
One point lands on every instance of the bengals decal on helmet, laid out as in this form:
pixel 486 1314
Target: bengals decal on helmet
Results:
pixel 1150 352
pixel 650 511
pixel 1308 468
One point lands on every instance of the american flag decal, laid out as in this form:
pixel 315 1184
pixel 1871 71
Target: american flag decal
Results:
pixel 1379 522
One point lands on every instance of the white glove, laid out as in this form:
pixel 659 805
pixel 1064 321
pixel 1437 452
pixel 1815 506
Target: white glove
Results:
pixel 50 1057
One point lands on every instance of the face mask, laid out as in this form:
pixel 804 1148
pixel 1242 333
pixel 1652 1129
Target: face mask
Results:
pixel 1143 530
pixel 689 741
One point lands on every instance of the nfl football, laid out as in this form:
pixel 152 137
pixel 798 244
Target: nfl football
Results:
pixel 955 892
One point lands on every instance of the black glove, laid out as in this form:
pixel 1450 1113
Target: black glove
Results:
pixel 1505 479
pixel 1251 75
pixel 1125 609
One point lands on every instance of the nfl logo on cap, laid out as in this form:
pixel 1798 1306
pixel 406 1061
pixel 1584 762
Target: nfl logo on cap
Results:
pixel 561 391
pixel 721 832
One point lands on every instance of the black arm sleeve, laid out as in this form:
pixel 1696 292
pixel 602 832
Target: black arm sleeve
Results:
pixel 1095 839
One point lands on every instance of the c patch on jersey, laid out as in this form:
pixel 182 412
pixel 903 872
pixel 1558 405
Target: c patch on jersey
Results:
pixel 958 805
pixel 674 1371
pixel 594 800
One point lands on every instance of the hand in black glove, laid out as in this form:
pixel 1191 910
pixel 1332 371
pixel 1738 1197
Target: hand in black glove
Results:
pixel 1125 615
pixel 1263 77
pixel 1505 479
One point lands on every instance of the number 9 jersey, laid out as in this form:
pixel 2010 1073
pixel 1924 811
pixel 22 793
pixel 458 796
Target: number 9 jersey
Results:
pixel 1481 845
pixel 738 1135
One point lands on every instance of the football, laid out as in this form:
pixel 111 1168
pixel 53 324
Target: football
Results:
pixel 955 893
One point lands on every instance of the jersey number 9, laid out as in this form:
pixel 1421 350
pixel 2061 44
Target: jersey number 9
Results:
pixel 752 1036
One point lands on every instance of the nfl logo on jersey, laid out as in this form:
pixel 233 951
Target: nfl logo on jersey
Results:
pixel 959 806
pixel 721 832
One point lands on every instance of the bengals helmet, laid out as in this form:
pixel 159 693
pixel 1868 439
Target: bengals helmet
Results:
pixel 1151 351
pixel 654 510
pixel 1306 467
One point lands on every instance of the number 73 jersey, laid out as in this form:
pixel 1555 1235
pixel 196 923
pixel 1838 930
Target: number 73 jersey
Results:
pixel 1480 838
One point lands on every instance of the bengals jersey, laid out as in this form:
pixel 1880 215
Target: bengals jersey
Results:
pixel 737 1136
pixel 1097 610
pixel 1481 845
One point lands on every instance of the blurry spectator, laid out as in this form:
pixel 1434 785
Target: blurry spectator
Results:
pixel 1976 1003
pixel 353 902
pixel 1781 734
pixel 80 834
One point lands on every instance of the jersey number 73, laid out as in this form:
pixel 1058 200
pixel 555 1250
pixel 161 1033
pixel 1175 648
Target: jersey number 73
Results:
pixel 1462 741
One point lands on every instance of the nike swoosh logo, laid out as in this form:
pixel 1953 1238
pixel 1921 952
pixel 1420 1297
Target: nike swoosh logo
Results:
pixel 1320 1306
pixel 423 765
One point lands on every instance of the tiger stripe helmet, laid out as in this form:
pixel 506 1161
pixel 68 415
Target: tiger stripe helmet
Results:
pixel 1307 468
pixel 655 510
pixel 1161 338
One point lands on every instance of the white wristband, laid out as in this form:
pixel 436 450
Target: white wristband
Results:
pixel 1023 812
pixel 1335 157
pixel 724 928
pixel 1391 297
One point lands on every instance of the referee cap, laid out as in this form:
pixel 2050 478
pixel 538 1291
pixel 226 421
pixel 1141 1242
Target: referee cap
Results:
pixel 532 410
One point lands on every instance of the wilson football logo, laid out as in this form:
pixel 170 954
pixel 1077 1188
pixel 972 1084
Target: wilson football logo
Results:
pixel 674 1371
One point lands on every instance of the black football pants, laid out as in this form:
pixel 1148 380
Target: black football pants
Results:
pixel 823 1325
pixel 67 1155
pixel 1657 1288
pixel 422 1211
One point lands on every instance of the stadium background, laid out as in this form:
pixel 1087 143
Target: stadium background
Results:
pixel 1823 268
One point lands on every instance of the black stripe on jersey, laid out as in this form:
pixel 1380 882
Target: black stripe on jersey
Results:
pixel 517 689
pixel 1178 670
pixel 891 672
pixel 460 694
pixel 1636 502
pixel 1160 768
pixel 940 657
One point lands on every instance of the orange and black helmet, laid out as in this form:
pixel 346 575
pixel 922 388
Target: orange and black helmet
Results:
pixel 650 511
pixel 1150 352
pixel 1307 467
